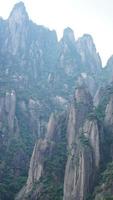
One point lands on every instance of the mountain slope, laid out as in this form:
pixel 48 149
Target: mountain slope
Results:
pixel 38 76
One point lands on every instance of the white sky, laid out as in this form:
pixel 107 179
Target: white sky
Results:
pixel 83 16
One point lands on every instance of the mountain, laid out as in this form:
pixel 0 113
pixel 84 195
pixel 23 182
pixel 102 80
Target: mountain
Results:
pixel 74 160
pixel 52 100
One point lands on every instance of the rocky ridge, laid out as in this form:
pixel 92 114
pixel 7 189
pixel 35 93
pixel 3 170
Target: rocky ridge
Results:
pixel 38 76
pixel 83 156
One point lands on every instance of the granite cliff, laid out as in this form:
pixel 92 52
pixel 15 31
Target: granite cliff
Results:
pixel 55 97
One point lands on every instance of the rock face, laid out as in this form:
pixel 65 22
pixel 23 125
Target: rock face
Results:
pixel 19 123
pixel 25 46
pixel 17 29
pixel 89 55
pixel 109 112
pixel 98 96
pixel 39 153
pixel 31 53
pixel 68 35
pixel 104 105
pixel 83 158
pixel 67 50
pixel 45 150
pixel 84 153
pixel 109 123
pixel 7 111
pixel 38 75
pixel 77 180
pixel 108 71
pixel 85 141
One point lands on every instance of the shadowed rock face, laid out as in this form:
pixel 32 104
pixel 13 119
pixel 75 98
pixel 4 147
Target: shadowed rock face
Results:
pixel 7 112
pixel 109 112
pixel 105 185
pixel 109 122
pixel 68 35
pixel 91 131
pixel 108 70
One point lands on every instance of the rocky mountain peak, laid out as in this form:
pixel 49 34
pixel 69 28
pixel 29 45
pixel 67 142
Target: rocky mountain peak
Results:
pixel 37 77
pixel 17 29
pixel 110 60
pixel 89 55
pixel 109 65
pixel 68 35
pixel 86 43
pixel 18 14
pixel 108 70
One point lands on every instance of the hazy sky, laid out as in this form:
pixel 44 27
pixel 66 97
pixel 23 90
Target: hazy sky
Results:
pixel 83 16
